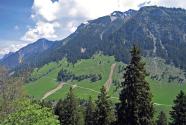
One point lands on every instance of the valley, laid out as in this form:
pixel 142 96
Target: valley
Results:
pixel 46 86
pixel 120 67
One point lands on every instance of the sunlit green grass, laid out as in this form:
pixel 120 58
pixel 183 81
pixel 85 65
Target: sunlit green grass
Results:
pixel 99 64
pixel 163 93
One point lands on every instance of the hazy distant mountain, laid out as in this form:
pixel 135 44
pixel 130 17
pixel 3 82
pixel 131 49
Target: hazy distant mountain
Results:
pixel 7 55
pixel 1 56
pixel 12 60
pixel 159 31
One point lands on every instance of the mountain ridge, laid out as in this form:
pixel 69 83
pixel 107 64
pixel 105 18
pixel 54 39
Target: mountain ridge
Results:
pixel 158 31
pixel 13 59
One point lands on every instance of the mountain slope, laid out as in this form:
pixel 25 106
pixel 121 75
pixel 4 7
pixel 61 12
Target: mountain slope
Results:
pixel 159 31
pixel 22 56
pixel 44 80
pixel 90 37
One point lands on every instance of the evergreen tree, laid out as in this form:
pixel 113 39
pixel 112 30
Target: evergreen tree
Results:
pixel 69 111
pixel 27 112
pixel 104 114
pixel 178 113
pixel 11 89
pixel 90 110
pixel 162 119
pixel 136 106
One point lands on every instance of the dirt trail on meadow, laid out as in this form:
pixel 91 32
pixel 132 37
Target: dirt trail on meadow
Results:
pixel 53 91
pixel 109 81
pixel 107 84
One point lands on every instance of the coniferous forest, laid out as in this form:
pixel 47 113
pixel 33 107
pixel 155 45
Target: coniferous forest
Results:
pixel 92 62
pixel 134 106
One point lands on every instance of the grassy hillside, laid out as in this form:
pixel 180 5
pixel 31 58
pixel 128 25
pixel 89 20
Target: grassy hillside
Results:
pixel 159 70
pixel 45 79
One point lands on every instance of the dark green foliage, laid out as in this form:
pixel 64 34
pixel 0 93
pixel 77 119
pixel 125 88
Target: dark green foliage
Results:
pixel 175 79
pixel 32 79
pixel 69 110
pixel 65 75
pixel 28 113
pixel 90 111
pixel 43 103
pixel 95 77
pixel 162 119
pixel 178 113
pixel 121 69
pixel 104 114
pixel 10 90
pixel 135 107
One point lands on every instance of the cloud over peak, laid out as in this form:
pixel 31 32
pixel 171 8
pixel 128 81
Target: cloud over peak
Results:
pixel 14 46
pixel 45 9
pixel 55 19
pixel 44 29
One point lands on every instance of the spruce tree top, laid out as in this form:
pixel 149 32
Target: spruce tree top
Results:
pixel 178 113
pixel 162 119
pixel 136 106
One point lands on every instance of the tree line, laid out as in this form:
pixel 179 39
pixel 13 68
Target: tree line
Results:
pixel 65 75
pixel 135 106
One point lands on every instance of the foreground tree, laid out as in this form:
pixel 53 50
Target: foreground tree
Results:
pixel 10 90
pixel 29 113
pixel 69 110
pixel 178 113
pixel 90 111
pixel 104 114
pixel 136 106
pixel 162 119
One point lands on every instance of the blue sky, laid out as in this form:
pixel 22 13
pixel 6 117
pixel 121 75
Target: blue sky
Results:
pixel 24 21
pixel 14 17
pixel 13 22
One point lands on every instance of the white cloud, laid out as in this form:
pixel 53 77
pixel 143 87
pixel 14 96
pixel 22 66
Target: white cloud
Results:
pixel 16 45
pixel 91 9
pixel 44 29
pixel 46 9
pixel 97 8
pixel 56 20
pixel 146 3
pixel 171 3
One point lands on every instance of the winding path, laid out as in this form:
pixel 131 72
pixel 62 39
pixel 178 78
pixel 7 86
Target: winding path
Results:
pixel 53 91
pixel 109 81
pixel 107 84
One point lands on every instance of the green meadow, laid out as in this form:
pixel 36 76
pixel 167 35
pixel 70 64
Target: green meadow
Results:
pixel 46 79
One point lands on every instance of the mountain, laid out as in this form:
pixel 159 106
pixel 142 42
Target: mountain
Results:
pixel 1 56
pixel 160 32
pixel 7 55
pixel 12 60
